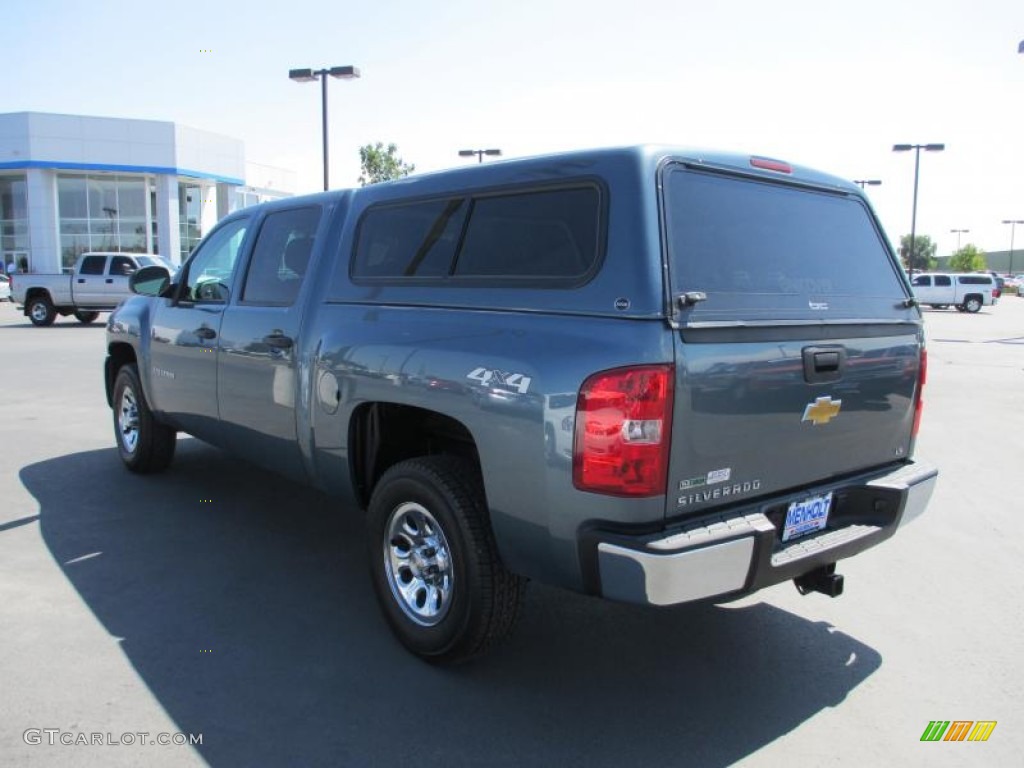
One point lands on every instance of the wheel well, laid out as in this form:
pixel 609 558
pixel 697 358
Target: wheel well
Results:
pixel 117 356
pixel 33 293
pixel 383 434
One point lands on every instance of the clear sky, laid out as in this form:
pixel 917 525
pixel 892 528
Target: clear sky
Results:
pixel 826 84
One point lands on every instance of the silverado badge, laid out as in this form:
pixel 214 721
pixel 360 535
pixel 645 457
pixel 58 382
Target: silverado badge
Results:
pixel 822 410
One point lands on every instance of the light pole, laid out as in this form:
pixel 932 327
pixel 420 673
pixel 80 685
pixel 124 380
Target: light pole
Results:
pixel 479 153
pixel 917 165
pixel 959 232
pixel 308 76
pixel 867 182
pixel 1013 225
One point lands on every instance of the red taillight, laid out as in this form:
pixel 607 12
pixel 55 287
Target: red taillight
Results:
pixel 922 377
pixel 768 164
pixel 623 427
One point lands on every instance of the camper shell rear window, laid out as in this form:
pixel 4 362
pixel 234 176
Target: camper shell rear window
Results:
pixel 765 251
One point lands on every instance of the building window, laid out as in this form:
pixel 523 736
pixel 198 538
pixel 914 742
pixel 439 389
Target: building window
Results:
pixel 103 212
pixel 14 243
pixel 190 217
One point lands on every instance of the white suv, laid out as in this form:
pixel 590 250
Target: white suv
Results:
pixel 968 292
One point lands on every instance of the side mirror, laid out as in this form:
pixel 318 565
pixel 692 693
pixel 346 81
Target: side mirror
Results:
pixel 149 281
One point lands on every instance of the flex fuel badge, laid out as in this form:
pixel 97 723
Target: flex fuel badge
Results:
pixel 711 478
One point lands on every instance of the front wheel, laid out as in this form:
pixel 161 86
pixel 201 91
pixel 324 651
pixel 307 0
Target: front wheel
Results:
pixel 86 317
pixel 434 563
pixel 40 311
pixel 144 443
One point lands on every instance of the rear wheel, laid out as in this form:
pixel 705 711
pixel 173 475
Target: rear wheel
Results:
pixel 144 443
pixel 40 311
pixel 86 317
pixel 972 304
pixel 434 562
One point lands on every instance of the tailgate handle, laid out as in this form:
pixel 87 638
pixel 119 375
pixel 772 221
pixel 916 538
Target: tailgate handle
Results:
pixel 823 364
pixel 826 361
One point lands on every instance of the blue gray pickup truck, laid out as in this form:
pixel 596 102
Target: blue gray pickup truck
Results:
pixel 648 374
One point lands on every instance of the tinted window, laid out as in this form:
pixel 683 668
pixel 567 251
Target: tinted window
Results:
pixel 974 280
pixel 772 249
pixel 537 235
pixel 93 265
pixel 414 240
pixel 925 281
pixel 208 277
pixel 943 280
pixel 281 256
pixel 121 265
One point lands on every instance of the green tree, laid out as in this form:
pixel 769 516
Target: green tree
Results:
pixel 970 258
pixel 923 258
pixel 379 163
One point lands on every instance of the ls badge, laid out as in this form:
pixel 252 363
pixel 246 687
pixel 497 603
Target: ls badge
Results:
pixel 822 410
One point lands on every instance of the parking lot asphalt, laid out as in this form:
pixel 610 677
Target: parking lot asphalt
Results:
pixel 221 601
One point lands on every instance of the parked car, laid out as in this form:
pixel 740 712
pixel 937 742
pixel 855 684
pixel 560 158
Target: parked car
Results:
pixel 99 282
pixel 5 288
pixel 530 370
pixel 968 292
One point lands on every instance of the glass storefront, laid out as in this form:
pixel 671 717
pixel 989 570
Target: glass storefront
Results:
pixel 190 209
pixel 14 241
pixel 103 212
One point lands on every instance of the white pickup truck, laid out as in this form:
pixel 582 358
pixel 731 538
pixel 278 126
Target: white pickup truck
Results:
pixel 98 283
pixel 968 292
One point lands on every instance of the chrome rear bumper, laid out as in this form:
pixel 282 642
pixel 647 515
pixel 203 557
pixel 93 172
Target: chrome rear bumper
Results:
pixel 742 553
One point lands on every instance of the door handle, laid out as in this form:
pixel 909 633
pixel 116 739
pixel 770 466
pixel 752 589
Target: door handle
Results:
pixel 278 341
pixel 81 280
pixel 110 280
pixel 205 333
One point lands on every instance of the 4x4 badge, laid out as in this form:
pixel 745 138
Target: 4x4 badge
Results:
pixel 822 410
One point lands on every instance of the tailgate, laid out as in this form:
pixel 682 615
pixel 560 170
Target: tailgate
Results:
pixel 797 357
pixel 756 417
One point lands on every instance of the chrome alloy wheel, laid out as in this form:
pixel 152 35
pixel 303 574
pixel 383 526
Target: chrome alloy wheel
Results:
pixel 418 564
pixel 39 312
pixel 128 420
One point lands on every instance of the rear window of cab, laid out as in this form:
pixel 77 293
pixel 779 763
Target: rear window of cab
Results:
pixel 768 251
pixel 538 236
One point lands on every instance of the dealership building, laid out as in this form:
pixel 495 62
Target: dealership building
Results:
pixel 71 184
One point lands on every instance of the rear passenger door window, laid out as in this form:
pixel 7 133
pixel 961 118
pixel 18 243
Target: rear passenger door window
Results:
pixel 281 256
pixel 93 265
pixel 943 280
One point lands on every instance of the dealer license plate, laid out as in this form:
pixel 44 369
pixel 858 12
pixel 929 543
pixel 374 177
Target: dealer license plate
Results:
pixel 806 516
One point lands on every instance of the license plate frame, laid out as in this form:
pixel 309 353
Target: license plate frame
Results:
pixel 807 516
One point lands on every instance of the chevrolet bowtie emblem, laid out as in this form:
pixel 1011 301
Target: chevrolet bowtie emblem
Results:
pixel 822 410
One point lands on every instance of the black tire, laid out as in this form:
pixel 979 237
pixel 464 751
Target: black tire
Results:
pixel 40 311
pixel 145 445
pixel 86 317
pixel 972 304
pixel 483 599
